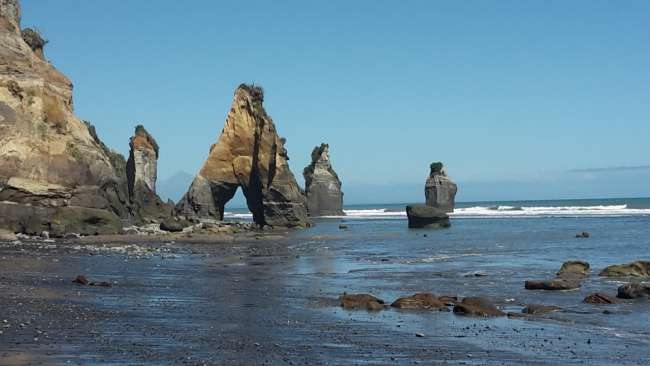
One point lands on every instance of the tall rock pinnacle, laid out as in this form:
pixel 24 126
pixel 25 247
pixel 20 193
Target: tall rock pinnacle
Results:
pixel 439 190
pixel 141 174
pixel 322 185
pixel 249 154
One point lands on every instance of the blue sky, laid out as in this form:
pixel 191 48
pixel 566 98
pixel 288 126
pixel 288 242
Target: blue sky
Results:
pixel 514 92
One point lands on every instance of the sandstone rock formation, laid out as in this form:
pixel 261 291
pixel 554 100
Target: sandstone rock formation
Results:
pixel 55 175
pixel 141 173
pixel 322 185
pixel 439 190
pixel 249 154
pixel 421 216
pixel 634 269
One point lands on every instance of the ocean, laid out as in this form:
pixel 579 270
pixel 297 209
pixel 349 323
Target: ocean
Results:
pixel 610 207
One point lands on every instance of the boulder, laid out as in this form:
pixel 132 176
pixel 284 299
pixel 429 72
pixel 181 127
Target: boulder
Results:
pixel 249 154
pixel 557 284
pixel 439 190
pixel 535 309
pixel 49 158
pixel 419 301
pixel 174 225
pixel 574 269
pixel 57 221
pixel 634 269
pixel 421 216
pixel 634 291
pixel 477 306
pixel 599 298
pixel 361 302
pixel 141 174
pixel 322 185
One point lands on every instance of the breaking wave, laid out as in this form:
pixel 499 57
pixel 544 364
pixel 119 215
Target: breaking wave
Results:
pixel 492 211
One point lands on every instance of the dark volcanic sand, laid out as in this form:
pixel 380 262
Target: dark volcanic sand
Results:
pixel 273 301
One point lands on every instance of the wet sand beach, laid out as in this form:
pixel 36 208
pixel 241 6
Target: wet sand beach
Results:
pixel 273 299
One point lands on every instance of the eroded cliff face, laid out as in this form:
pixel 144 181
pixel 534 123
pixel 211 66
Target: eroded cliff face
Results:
pixel 249 154
pixel 322 185
pixel 141 173
pixel 48 157
pixel 439 190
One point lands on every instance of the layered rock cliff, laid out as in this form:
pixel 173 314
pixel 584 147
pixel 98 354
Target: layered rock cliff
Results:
pixel 55 174
pixel 322 185
pixel 440 191
pixel 141 174
pixel 249 154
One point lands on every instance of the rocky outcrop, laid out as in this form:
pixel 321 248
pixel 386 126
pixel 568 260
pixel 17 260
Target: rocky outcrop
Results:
pixel 440 191
pixel 141 174
pixel 634 269
pixel 361 302
pixel 249 154
pixel 53 170
pixel 634 291
pixel 574 270
pixel 420 301
pixel 477 306
pixel 557 284
pixel 421 216
pixel 599 298
pixel 322 185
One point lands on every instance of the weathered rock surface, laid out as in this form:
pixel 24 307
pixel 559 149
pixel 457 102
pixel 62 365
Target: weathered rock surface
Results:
pixel 440 191
pixel 599 298
pixel 51 165
pixel 421 216
pixel 558 284
pixel 419 301
pixel 142 173
pixel 361 302
pixel 322 185
pixel 536 309
pixel 634 291
pixel 574 269
pixel 634 269
pixel 249 154
pixel 477 306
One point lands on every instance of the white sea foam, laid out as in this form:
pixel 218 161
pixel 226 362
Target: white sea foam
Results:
pixel 494 212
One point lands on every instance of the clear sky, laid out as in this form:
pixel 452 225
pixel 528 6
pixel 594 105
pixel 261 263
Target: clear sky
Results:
pixel 514 92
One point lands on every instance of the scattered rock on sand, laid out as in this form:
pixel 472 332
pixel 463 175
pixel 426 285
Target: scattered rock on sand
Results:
pixel 599 298
pixel 81 280
pixel 361 302
pixel 574 269
pixel 173 225
pixel 420 301
pixel 634 269
pixel 583 234
pixel 557 284
pixel 534 309
pixel 634 291
pixel 477 306
pixel 343 227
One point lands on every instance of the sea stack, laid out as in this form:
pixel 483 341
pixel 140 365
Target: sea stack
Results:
pixel 249 154
pixel 141 173
pixel 440 191
pixel 322 185
pixel 55 174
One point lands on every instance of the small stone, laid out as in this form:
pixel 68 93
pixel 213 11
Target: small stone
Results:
pixel 81 280
pixel 419 335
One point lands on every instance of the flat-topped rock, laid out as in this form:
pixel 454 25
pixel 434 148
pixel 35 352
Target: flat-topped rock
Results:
pixel 422 216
